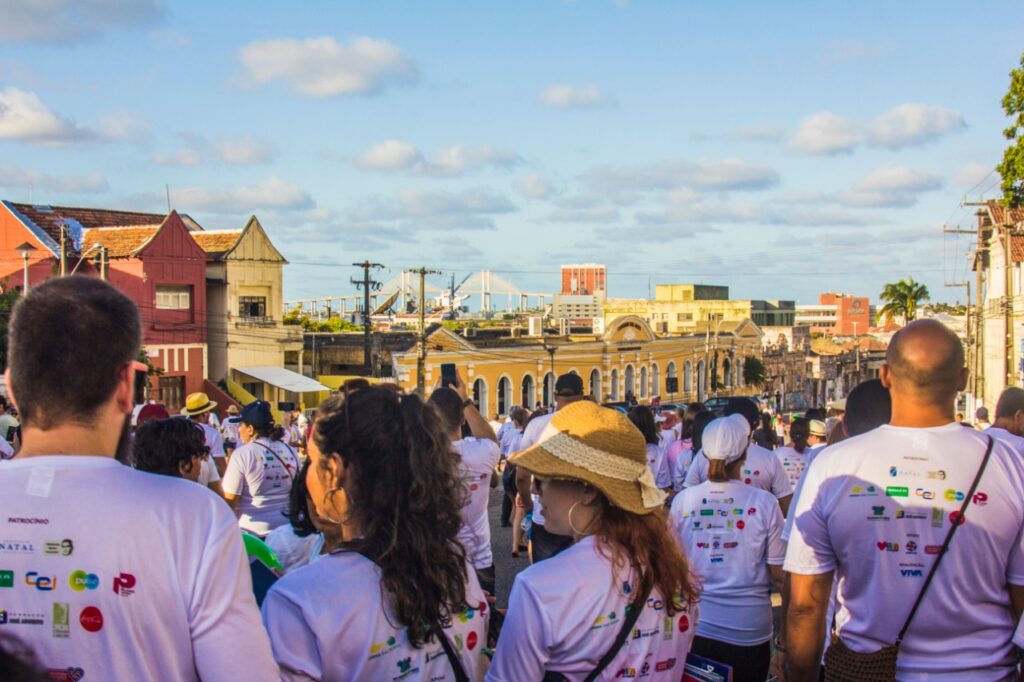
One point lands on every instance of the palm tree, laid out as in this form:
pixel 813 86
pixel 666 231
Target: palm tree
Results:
pixel 754 372
pixel 901 299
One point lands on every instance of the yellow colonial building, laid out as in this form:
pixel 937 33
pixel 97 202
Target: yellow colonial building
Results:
pixel 687 308
pixel 243 307
pixel 628 358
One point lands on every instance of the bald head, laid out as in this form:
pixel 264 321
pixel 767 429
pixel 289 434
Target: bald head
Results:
pixel 926 363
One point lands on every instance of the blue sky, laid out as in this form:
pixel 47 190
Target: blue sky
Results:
pixel 780 148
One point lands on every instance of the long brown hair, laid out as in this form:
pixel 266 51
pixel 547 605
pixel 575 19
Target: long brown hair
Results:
pixel 645 543
pixel 720 472
pixel 404 498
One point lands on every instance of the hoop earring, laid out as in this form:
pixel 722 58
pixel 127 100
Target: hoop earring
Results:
pixel 323 503
pixel 575 530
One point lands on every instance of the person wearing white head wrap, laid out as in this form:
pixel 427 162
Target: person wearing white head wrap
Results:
pixel 731 532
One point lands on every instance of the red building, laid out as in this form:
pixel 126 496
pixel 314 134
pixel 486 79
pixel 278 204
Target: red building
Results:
pixel 837 314
pixel 584 280
pixel 151 257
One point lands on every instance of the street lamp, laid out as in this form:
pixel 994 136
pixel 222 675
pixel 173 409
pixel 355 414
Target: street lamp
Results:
pixel 25 250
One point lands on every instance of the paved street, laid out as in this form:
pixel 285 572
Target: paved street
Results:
pixel 505 565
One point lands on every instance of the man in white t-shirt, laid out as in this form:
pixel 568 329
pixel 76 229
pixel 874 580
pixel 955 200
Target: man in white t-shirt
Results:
pixel 544 545
pixel 479 454
pixel 1009 424
pixel 198 408
pixel 761 469
pixel 111 573
pixel 875 511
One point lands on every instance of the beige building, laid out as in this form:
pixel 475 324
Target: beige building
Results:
pixel 685 308
pixel 629 357
pixel 244 304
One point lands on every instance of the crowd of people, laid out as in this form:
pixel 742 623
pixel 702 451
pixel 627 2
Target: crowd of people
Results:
pixel 891 531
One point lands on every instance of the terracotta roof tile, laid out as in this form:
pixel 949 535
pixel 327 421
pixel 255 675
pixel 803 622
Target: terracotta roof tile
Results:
pixel 1002 215
pixel 121 242
pixel 218 242
pixel 50 218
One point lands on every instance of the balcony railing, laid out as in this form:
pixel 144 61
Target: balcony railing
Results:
pixel 255 321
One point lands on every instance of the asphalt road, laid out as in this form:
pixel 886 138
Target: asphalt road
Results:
pixel 505 565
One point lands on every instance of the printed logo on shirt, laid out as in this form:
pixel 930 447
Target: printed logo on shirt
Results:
pixel 61 620
pixel 924 494
pixel 124 585
pixel 405 668
pixel 667 629
pixel 897 491
pixel 730 545
pixel 662 666
pixel 471 640
pixel 878 513
pixel 30 520
pixel 707 512
pixel 684 623
pixel 655 604
pixel 911 573
pixel 740 525
pixel 21 618
pixel 81 581
pixel 863 491
pixel 751 511
pixel 911 547
pixel 65 674
pixel 60 548
pixel 888 546
pixel 16 547
pixel 938 517
pixel 939 475
pixel 953 495
pixel 603 621
pixel 6 578
pixel 717 559
pixel 639 633
pixel 956 519
pixel 626 673
pixel 91 619
pixel 381 648
pixel 933 549
pixel 906 473
pixel 980 499
pixel 40 582
pixel 910 514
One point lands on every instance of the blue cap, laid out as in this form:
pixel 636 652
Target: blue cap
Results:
pixel 258 414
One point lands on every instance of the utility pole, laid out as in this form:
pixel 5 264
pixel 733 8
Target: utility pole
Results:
pixel 421 359
pixel 978 340
pixel 366 285
pixel 63 249
pixel 103 262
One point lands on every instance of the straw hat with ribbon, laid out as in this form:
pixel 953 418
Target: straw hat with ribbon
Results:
pixel 599 446
pixel 197 403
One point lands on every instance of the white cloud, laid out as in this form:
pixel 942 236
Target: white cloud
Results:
pixel 122 128
pixel 13 177
pixel 891 187
pixel 393 156
pixel 587 96
pixel 23 116
pixel 272 193
pixel 323 67
pixel 73 20
pixel 233 151
pixel 826 133
pixel 624 183
pixel 415 210
pixel 536 187
pixel 913 124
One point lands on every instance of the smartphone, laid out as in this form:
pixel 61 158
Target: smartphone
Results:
pixel 448 374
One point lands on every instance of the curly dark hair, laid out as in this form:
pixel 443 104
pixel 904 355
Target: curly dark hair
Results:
pixel 643 419
pixel 404 495
pixel 162 444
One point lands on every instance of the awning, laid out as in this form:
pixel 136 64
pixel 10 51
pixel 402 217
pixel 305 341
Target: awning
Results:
pixel 283 378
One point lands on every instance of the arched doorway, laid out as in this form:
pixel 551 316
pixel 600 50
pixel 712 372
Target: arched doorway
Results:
pixel 702 377
pixel 595 385
pixel 688 377
pixel 504 396
pixel 671 379
pixel 480 395
pixel 630 382
pixel 727 372
pixel 529 392
pixel 643 382
pixel 655 380
pixel 549 389
pixel 613 390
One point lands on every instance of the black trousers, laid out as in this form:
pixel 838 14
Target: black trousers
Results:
pixel 544 545
pixel 486 578
pixel 749 663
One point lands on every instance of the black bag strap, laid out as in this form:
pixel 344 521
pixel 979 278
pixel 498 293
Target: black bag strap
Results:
pixel 449 652
pixel 635 609
pixel 287 469
pixel 960 520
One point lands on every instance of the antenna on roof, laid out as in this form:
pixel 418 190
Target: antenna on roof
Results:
pixel 167 189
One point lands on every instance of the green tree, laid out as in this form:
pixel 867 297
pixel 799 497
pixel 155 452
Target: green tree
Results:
pixel 1012 167
pixel 902 299
pixel 754 372
pixel 8 297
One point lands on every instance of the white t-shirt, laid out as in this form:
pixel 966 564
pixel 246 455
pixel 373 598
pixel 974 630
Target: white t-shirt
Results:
pixel 156 585
pixel 263 482
pixel 1016 443
pixel 680 464
pixel 6 450
pixel 208 472
pixel 329 621
pixel 731 532
pixel 793 463
pixel 479 457
pixel 229 430
pixel 564 614
pixel 876 509
pixel 531 434
pixel 213 440
pixel 762 470
pixel 658 464
pixel 294 551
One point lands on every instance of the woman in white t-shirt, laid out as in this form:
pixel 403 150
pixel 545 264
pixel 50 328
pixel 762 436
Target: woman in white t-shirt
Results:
pixel 259 474
pixel 567 613
pixel 796 456
pixel 732 533
pixel 306 536
pixel 643 419
pixel 680 455
pixel 397 599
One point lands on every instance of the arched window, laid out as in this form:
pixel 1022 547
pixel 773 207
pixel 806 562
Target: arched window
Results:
pixel 671 380
pixel 529 395
pixel 480 395
pixel 549 389
pixel 613 390
pixel 688 377
pixel 655 380
pixel 595 385
pixel 701 381
pixel 643 382
pixel 504 396
pixel 727 372
pixel 630 382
